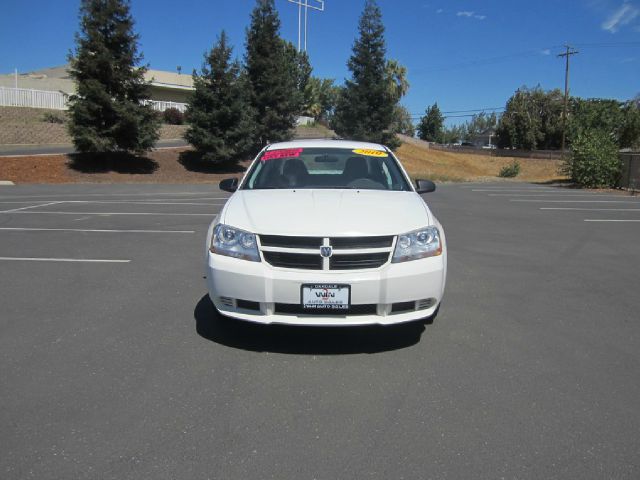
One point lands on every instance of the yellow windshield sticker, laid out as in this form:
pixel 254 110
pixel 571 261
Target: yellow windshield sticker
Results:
pixel 370 153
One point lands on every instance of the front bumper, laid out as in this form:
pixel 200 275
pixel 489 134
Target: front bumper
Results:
pixel 230 280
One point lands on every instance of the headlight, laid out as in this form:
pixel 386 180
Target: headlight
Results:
pixel 419 244
pixel 234 242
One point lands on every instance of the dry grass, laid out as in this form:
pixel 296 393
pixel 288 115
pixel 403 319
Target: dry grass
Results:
pixel 423 162
pixel 172 166
pixel 159 166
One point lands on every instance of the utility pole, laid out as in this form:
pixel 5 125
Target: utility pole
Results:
pixel 570 51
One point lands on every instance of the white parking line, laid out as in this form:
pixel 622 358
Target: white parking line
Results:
pixel 73 260
pixel 593 209
pixel 513 190
pixel 606 220
pixel 114 213
pixel 576 201
pixel 204 198
pixel 120 202
pixel 20 229
pixel 570 195
pixel 474 186
pixel 157 194
pixel 31 206
pixel 134 202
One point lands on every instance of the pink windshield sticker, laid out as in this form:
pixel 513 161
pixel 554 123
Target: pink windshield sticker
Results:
pixel 284 153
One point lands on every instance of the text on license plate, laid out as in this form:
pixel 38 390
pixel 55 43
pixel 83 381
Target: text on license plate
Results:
pixel 325 296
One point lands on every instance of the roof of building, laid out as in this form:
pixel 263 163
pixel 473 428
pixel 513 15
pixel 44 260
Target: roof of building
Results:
pixel 173 79
pixel 58 79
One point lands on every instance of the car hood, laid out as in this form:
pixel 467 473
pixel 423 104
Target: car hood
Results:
pixel 326 212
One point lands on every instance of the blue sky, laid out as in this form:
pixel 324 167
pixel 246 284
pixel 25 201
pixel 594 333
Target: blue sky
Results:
pixel 464 54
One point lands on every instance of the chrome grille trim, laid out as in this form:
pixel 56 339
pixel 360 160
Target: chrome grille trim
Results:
pixel 349 253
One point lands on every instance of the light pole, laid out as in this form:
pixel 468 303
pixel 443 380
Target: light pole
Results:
pixel 305 4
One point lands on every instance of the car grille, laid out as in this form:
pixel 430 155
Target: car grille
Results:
pixel 294 260
pixel 297 309
pixel 348 253
pixel 290 242
pixel 352 262
pixel 342 243
pixel 361 242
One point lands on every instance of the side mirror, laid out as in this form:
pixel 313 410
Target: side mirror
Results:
pixel 425 186
pixel 229 185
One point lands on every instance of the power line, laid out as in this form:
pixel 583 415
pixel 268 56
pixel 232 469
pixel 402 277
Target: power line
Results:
pixel 542 51
pixel 487 61
pixel 476 110
pixel 467 113
pixel 607 44
pixel 459 116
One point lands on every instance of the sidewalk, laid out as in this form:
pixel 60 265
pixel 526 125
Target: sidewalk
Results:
pixel 53 149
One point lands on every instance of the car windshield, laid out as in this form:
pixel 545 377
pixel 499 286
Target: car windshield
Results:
pixel 336 168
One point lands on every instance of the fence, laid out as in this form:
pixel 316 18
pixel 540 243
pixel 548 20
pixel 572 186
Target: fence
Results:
pixel 22 97
pixel 630 175
pixel 161 106
pixel 496 152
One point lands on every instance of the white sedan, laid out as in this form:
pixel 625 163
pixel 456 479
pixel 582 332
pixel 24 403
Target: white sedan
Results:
pixel 326 232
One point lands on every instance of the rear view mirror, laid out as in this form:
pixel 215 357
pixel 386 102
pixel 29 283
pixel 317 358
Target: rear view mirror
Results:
pixel 326 159
pixel 425 186
pixel 229 185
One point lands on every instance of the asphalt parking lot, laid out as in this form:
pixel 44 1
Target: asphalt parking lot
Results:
pixel 114 365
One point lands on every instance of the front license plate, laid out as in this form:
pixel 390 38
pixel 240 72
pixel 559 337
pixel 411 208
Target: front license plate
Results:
pixel 326 297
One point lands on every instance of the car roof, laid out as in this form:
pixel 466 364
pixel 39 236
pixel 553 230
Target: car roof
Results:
pixel 326 143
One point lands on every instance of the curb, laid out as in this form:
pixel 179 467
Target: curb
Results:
pixel 6 182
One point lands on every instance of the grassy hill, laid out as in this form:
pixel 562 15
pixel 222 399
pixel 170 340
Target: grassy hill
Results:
pixel 422 162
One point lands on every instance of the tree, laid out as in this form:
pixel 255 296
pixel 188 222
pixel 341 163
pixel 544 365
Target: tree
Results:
pixel 300 70
pixel 320 99
pixel 402 122
pixel 431 125
pixel 594 160
pixel 274 92
pixel 619 120
pixel 629 135
pixel 397 79
pixel 398 87
pixel 481 124
pixel 365 107
pixel 106 114
pixel 220 124
pixel 532 120
pixel 454 134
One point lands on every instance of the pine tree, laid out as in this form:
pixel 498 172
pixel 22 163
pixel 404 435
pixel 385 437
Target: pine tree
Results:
pixel 431 126
pixel 300 70
pixel 220 126
pixel 275 97
pixel 366 105
pixel 106 112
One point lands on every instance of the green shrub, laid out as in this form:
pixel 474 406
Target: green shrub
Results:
pixel 173 116
pixel 54 117
pixel 510 171
pixel 594 160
